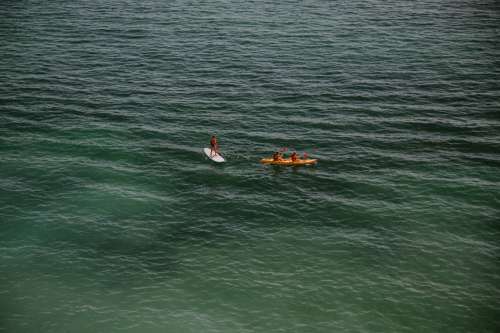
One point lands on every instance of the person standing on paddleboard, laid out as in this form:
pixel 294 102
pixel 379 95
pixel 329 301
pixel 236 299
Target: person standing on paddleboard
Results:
pixel 214 147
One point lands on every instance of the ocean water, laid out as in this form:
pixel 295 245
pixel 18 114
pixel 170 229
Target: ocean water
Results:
pixel 112 219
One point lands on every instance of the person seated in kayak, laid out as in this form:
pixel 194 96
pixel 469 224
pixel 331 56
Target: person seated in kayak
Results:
pixel 277 156
pixel 213 146
pixel 294 157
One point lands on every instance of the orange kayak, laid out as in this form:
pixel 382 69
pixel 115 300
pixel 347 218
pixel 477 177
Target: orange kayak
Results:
pixel 288 161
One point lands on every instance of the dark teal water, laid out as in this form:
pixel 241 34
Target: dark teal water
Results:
pixel 112 220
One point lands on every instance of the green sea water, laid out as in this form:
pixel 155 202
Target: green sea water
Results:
pixel 113 220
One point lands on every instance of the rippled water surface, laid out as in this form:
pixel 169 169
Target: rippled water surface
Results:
pixel 112 219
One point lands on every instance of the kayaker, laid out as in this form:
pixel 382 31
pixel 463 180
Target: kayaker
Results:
pixel 213 146
pixel 294 157
pixel 277 156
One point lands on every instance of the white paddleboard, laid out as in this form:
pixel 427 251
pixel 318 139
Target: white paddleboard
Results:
pixel 214 156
